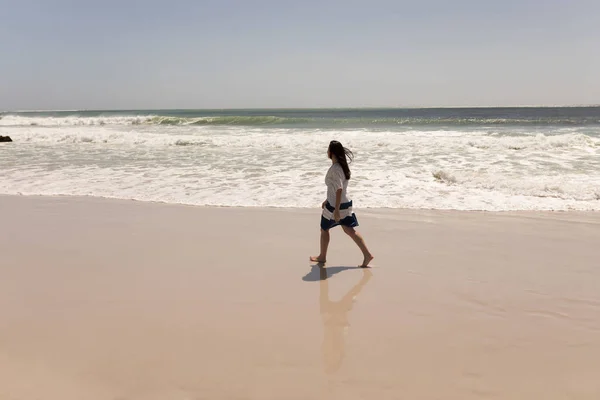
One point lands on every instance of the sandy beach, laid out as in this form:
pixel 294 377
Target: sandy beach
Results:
pixel 122 300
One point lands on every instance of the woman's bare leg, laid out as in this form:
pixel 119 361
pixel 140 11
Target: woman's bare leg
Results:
pixel 322 257
pixel 360 242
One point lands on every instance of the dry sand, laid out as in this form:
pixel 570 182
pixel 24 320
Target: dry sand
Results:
pixel 121 300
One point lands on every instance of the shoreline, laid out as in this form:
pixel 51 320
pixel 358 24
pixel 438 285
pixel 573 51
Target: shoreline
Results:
pixel 362 210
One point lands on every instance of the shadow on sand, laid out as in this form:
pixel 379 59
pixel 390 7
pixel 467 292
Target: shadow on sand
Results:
pixel 334 314
pixel 318 272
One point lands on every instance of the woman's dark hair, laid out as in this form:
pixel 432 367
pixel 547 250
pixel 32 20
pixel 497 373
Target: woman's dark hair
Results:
pixel 342 154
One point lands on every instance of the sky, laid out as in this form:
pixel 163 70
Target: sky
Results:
pixel 150 54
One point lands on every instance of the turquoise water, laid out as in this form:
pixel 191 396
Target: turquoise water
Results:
pixel 343 118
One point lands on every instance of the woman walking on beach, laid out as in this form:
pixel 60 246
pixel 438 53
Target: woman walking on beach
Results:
pixel 337 209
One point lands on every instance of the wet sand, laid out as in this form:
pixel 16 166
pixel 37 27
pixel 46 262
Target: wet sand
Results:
pixel 105 299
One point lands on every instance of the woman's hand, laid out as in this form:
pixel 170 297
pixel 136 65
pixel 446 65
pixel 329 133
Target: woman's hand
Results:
pixel 323 205
pixel 336 215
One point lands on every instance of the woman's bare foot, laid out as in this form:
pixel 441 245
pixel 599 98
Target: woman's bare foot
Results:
pixel 318 259
pixel 366 261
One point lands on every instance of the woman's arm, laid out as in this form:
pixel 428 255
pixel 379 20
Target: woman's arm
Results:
pixel 338 202
pixel 338 199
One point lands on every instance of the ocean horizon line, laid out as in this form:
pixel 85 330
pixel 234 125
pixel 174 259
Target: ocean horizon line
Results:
pixel 302 108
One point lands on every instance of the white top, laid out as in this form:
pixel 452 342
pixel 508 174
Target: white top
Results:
pixel 335 180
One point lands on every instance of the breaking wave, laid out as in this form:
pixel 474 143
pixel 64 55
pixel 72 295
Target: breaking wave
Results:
pixel 278 160
pixel 359 121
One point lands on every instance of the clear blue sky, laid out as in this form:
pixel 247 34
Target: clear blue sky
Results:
pixel 58 54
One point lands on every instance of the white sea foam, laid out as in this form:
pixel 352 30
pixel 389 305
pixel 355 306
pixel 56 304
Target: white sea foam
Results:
pixel 241 166
pixel 20 120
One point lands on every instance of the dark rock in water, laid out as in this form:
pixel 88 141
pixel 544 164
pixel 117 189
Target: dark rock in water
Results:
pixel 5 139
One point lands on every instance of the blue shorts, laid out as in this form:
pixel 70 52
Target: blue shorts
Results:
pixel 328 223
pixel 349 221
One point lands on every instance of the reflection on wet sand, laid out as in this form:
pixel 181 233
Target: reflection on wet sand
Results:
pixel 335 319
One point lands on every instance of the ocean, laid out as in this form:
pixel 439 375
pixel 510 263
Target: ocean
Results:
pixel 494 159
